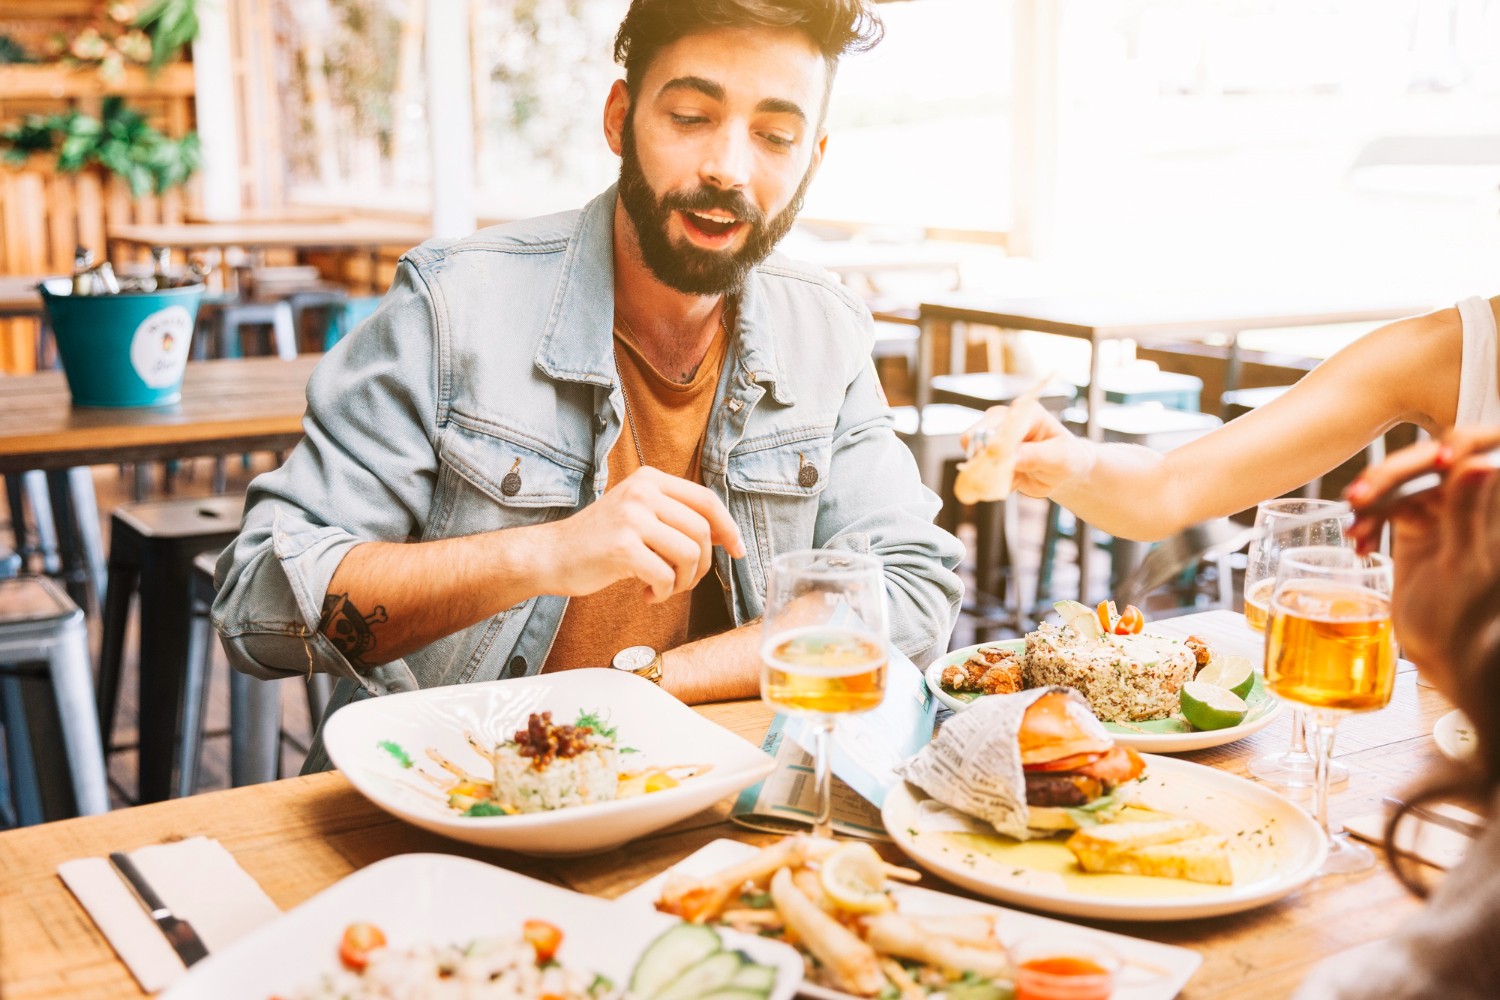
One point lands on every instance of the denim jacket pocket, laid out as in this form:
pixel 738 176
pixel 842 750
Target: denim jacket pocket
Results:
pixel 774 491
pixel 522 483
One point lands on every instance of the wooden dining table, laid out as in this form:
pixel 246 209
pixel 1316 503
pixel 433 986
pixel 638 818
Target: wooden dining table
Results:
pixel 298 836
pixel 351 235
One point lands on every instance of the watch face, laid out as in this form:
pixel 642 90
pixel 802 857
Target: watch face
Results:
pixel 635 658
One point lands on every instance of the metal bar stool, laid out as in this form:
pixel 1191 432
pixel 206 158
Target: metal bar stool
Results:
pixel 52 744
pixel 152 547
pixel 254 703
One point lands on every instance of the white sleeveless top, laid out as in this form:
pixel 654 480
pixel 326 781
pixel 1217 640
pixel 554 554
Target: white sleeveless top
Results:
pixel 1479 377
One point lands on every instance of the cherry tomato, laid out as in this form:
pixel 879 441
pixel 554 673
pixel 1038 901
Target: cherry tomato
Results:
pixel 1106 613
pixel 359 940
pixel 543 937
pixel 1131 621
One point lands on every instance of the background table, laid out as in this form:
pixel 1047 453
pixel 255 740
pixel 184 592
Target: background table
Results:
pixel 299 836
pixel 1144 318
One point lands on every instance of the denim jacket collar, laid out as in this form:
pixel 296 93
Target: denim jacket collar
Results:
pixel 577 344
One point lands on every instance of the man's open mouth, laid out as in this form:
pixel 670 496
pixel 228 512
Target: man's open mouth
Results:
pixel 713 223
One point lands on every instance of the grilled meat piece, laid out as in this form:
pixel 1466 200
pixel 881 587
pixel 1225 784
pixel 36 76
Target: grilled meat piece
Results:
pixel 1061 788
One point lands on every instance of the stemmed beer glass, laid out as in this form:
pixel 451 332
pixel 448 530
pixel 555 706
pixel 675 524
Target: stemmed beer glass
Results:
pixel 1292 767
pixel 1330 649
pixel 824 650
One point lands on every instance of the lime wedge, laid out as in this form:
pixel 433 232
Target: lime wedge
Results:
pixel 1237 673
pixel 1208 706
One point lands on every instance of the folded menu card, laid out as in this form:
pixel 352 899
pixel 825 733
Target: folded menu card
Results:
pixel 1428 842
pixel 864 753
pixel 197 878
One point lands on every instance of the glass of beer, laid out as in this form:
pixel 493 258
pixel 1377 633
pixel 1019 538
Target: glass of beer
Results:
pixel 1292 767
pixel 824 653
pixel 1330 650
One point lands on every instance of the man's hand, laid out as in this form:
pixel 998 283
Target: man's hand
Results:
pixel 1046 454
pixel 653 527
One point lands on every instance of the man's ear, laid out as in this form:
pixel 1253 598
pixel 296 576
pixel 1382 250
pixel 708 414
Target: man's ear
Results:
pixel 616 110
pixel 819 148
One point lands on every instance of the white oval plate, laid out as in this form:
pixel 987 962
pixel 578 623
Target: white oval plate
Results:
pixel 1274 845
pixel 417 898
pixel 1455 736
pixel 663 731
pixel 1172 735
pixel 1157 971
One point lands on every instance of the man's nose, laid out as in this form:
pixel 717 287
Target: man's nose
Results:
pixel 727 164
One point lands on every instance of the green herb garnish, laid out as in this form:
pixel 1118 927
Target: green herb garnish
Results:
pixel 394 749
pixel 484 807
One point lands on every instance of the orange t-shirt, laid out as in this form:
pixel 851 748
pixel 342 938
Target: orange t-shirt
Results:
pixel 670 419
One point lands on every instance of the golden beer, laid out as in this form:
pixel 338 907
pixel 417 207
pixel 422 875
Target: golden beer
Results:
pixel 823 670
pixel 1330 646
pixel 1257 600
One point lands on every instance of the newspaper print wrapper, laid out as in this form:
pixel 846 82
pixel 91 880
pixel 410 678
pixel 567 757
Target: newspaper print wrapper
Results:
pixel 974 763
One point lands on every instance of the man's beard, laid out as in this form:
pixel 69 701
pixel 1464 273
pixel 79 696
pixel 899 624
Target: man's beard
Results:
pixel 681 265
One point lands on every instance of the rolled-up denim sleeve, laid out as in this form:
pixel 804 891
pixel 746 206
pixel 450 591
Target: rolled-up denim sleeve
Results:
pixel 875 502
pixel 365 471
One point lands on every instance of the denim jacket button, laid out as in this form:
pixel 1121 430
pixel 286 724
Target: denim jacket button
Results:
pixel 517 666
pixel 600 423
pixel 510 485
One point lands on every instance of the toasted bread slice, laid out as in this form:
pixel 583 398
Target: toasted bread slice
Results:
pixel 1169 849
pixel 1127 835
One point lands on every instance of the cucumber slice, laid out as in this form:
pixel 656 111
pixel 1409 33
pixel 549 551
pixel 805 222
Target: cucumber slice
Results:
pixel 713 973
pixel 669 955
pixel 760 978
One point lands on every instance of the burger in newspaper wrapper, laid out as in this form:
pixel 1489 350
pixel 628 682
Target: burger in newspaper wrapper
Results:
pixel 1029 764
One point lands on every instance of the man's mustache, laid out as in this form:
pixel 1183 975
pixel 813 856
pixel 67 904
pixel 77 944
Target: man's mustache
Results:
pixel 706 198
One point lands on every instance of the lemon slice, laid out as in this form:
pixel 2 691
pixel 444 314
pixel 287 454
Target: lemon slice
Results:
pixel 853 876
pixel 1237 673
pixel 1208 706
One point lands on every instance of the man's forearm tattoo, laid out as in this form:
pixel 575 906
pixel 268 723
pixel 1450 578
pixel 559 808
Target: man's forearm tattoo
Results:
pixel 349 629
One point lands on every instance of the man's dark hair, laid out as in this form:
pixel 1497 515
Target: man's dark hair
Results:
pixel 833 26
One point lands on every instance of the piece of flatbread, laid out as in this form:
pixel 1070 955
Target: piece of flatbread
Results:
pixel 990 472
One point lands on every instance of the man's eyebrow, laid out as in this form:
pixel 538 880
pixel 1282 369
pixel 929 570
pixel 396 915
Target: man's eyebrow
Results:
pixel 705 87
pixel 781 106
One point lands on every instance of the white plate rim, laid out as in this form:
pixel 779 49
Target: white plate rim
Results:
pixel 489 830
pixel 1445 735
pixel 1236 900
pixel 401 870
pixel 1141 742
pixel 643 896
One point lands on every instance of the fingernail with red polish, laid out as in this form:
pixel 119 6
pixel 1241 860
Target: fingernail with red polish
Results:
pixel 1444 456
pixel 1358 491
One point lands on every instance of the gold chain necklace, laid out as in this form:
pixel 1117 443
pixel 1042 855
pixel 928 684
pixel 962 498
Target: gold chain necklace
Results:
pixel 635 438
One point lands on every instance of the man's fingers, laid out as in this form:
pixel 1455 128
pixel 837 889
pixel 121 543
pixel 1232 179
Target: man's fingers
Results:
pixel 679 552
pixel 652 570
pixel 722 529
pixel 692 525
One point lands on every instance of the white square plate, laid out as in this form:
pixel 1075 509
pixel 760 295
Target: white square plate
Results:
pixel 416 898
pixel 663 730
pixel 1151 971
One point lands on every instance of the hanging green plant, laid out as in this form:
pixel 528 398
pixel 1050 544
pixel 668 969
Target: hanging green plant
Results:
pixel 171 25
pixel 120 141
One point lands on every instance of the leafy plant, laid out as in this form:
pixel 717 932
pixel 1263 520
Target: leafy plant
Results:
pixel 171 25
pixel 12 52
pixel 121 142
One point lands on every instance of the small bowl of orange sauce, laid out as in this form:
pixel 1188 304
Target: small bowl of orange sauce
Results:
pixel 1064 969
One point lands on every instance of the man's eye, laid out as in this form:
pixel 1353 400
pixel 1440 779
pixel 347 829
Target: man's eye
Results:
pixel 781 141
pixel 681 119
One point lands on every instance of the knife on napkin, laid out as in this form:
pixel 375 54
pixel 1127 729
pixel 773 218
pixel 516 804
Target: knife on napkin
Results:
pixel 178 932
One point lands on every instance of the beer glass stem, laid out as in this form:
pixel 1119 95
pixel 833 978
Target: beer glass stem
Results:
pixel 1322 732
pixel 1299 733
pixel 822 776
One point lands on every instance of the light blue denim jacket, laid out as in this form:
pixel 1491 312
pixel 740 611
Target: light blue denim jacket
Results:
pixel 497 349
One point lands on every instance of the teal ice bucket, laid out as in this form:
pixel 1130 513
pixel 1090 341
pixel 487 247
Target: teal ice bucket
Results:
pixel 128 349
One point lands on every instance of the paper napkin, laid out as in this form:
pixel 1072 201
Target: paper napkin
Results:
pixel 1428 842
pixel 197 878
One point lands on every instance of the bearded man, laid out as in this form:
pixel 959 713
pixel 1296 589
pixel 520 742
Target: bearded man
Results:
pixel 561 439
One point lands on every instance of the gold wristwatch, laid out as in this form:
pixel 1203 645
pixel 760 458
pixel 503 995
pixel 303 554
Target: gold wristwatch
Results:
pixel 643 661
